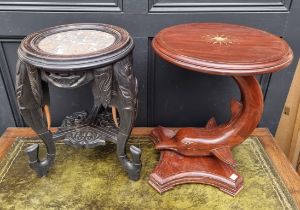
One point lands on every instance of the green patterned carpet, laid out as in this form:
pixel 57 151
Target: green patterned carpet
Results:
pixel 93 179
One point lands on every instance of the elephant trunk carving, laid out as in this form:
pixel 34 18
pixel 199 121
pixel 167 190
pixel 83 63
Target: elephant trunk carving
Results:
pixel 108 68
pixel 127 107
pixel 116 86
pixel 30 101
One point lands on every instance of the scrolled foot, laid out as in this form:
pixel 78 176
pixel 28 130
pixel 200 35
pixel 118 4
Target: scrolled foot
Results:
pixel 136 160
pixel 40 167
pixel 133 167
pixel 30 98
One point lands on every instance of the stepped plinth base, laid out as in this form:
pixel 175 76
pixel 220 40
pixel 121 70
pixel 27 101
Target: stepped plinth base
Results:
pixel 174 169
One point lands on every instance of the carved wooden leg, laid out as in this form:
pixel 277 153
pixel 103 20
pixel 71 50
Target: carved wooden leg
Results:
pixel 126 103
pixel 29 93
pixel 132 167
pixel 101 88
pixel 203 155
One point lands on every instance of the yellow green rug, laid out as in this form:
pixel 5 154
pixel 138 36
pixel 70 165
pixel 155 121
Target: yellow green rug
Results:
pixel 94 179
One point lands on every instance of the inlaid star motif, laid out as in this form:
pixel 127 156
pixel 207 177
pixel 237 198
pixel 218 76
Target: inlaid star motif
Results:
pixel 219 39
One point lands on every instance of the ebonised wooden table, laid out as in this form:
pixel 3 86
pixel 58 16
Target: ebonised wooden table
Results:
pixel 70 56
pixel 203 155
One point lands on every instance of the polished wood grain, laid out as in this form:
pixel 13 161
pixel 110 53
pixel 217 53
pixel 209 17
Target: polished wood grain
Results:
pixel 279 160
pixel 203 155
pixel 245 116
pixel 173 169
pixel 223 49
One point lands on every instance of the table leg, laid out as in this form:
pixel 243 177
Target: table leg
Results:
pixel 101 87
pixel 205 153
pixel 29 91
pixel 126 103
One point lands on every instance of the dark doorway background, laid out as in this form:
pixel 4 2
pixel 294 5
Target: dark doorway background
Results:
pixel 168 95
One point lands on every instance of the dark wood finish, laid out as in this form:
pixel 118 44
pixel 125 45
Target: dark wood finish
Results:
pixel 224 49
pixel 279 160
pixel 109 69
pixel 31 53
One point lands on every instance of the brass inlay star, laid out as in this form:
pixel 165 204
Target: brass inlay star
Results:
pixel 219 39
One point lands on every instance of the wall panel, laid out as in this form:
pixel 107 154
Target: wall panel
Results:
pixel 160 6
pixel 6 116
pixel 66 5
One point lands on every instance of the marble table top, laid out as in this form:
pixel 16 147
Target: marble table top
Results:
pixel 76 42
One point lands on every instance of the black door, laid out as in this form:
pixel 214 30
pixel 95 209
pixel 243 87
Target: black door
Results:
pixel 168 95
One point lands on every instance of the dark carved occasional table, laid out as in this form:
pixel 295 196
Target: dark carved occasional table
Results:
pixel 203 155
pixel 70 56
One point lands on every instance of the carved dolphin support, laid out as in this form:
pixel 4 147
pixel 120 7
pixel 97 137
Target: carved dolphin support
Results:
pixel 127 107
pixel 30 101
pixel 218 140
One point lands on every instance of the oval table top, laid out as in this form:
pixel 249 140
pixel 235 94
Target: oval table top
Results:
pixel 74 47
pixel 222 49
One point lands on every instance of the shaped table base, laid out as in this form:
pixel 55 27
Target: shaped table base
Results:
pixel 203 155
pixel 174 169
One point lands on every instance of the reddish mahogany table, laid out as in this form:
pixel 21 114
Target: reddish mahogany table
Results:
pixel 203 155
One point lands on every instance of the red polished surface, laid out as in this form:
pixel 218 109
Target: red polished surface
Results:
pixel 223 49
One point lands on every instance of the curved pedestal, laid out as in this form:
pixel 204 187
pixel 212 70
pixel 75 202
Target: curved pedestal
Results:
pixel 203 155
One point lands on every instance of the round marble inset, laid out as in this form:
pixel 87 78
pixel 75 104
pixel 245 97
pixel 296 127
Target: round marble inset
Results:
pixel 76 42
